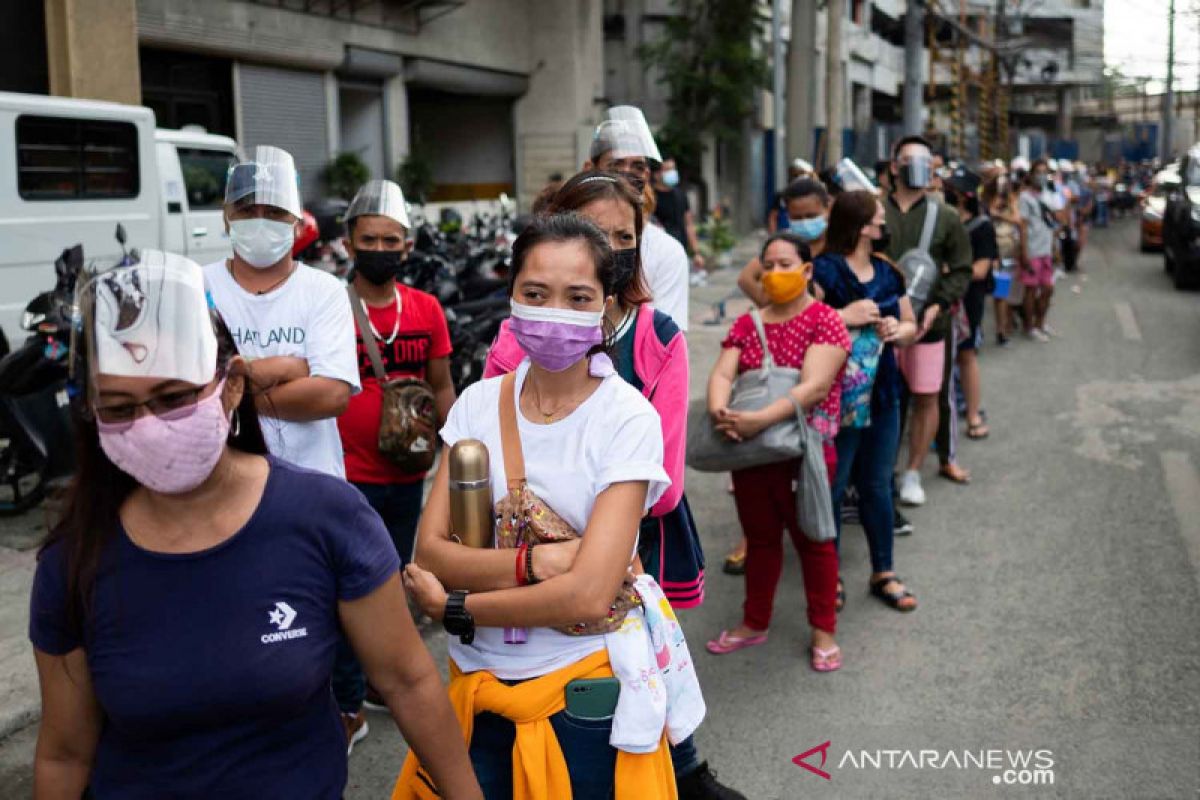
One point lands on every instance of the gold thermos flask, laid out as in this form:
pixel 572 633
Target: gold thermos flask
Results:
pixel 471 517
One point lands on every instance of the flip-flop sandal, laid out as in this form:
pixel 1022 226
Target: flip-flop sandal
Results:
pixel 728 643
pixel 826 660
pixel 735 564
pixel 892 599
pixel 978 430
pixel 962 478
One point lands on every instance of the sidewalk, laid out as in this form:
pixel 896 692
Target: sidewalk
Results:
pixel 19 702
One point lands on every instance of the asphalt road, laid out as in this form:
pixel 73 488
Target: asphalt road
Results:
pixel 1058 592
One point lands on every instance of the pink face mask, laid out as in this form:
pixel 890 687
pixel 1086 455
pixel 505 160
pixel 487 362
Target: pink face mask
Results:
pixel 555 338
pixel 169 455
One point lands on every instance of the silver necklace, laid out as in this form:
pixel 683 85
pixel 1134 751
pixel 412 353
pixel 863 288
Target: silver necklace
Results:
pixel 371 325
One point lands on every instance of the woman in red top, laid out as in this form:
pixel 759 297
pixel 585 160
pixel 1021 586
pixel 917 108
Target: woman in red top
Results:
pixel 806 334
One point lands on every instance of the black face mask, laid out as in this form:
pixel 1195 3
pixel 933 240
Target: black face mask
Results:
pixel 378 266
pixel 881 244
pixel 625 263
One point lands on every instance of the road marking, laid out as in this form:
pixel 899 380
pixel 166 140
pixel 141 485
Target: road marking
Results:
pixel 1129 325
pixel 1183 485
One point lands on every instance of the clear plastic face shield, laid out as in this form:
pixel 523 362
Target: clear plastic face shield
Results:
pixel 147 320
pixel 915 166
pixel 851 178
pixel 268 179
pixel 624 144
pixel 379 198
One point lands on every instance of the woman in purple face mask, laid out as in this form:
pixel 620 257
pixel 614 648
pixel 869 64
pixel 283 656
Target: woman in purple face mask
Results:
pixel 650 353
pixel 593 453
pixel 187 604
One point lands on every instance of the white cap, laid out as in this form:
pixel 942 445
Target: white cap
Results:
pixel 151 320
pixel 379 198
pixel 270 178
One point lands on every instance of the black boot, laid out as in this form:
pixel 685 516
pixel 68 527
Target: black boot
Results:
pixel 702 784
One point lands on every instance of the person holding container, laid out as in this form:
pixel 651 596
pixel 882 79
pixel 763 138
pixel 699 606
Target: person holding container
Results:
pixel 188 602
pixel 551 630
pixel 650 353
pixel 802 333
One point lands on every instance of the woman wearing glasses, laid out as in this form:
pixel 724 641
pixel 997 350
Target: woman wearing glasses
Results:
pixel 188 602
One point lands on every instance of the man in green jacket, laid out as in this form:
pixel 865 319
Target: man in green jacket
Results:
pixel 950 248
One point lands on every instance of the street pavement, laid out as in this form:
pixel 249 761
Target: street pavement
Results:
pixel 1058 592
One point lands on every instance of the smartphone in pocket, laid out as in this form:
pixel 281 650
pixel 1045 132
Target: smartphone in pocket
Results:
pixel 592 698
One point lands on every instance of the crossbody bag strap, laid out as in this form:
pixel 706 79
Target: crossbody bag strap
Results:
pixel 931 213
pixel 510 434
pixel 368 336
pixel 768 361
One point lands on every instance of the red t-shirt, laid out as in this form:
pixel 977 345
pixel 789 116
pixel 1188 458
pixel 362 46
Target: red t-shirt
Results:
pixel 423 335
pixel 789 341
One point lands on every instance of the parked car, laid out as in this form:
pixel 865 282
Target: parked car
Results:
pixel 1181 224
pixel 1154 205
pixel 70 170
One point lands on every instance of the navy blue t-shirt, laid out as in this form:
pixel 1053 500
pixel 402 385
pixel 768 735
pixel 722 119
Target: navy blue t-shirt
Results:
pixel 213 668
pixel 842 287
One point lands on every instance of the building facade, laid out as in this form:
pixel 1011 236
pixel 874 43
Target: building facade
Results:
pixel 489 95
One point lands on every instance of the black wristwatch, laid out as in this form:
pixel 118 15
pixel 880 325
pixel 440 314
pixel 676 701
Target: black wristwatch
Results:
pixel 456 619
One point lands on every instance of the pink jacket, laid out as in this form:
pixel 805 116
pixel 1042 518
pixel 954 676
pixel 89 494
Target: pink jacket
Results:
pixel 660 360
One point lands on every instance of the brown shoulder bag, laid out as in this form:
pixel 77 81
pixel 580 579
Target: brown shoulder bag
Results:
pixel 408 422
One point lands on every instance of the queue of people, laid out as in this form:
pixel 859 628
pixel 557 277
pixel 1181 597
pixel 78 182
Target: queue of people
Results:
pixel 258 512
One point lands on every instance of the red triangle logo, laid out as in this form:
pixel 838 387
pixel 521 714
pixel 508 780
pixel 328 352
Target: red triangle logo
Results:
pixel 823 749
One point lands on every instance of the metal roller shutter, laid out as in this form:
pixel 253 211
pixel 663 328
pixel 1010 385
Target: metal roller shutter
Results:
pixel 286 108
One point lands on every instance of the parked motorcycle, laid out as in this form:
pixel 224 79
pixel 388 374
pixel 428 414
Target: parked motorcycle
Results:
pixel 36 448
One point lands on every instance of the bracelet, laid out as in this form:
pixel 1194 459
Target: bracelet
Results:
pixel 530 578
pixel 522 551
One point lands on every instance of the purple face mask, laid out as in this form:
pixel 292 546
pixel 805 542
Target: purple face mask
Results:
pixel 555 338
pixel 169 456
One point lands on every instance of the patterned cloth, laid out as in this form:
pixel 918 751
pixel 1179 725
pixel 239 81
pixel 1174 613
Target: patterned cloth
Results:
pixel 659 687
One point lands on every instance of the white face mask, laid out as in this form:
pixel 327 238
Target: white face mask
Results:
pixel 261 242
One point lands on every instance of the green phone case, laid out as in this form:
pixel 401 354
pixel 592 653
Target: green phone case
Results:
pixel 593 698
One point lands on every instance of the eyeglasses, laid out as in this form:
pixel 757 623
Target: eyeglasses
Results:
pixel 170 406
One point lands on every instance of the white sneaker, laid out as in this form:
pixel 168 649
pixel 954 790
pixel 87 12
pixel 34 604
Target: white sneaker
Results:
pixel 1040 335
pixel 911 493
pixel 1051 332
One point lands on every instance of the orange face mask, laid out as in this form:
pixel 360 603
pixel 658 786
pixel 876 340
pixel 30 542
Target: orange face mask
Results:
pixel 784 286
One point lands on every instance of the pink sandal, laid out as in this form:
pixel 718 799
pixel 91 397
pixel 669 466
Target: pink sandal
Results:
pixel 727 642
pixel 827 660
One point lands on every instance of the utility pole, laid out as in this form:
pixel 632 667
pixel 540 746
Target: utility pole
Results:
pixel 835 83
pixel 1168 109
pixel 914 40
pixel 778 112
pixel 802 80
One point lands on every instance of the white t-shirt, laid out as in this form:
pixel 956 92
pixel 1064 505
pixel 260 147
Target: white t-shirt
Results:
pixel 308 316
pixel 614 436
pixel 666 267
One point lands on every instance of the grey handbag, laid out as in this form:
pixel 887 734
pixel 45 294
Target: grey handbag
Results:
pixel 709 450
pixel 814 499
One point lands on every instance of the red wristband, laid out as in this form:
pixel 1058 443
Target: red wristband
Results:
pixel 522 549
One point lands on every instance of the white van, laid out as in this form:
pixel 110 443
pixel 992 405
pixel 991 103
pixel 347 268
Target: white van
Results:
pixel 70 170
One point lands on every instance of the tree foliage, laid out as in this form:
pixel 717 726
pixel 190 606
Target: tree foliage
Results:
pixel 712 62
pixel 345 174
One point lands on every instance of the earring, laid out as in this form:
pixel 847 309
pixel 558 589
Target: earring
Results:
pixel 237 424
